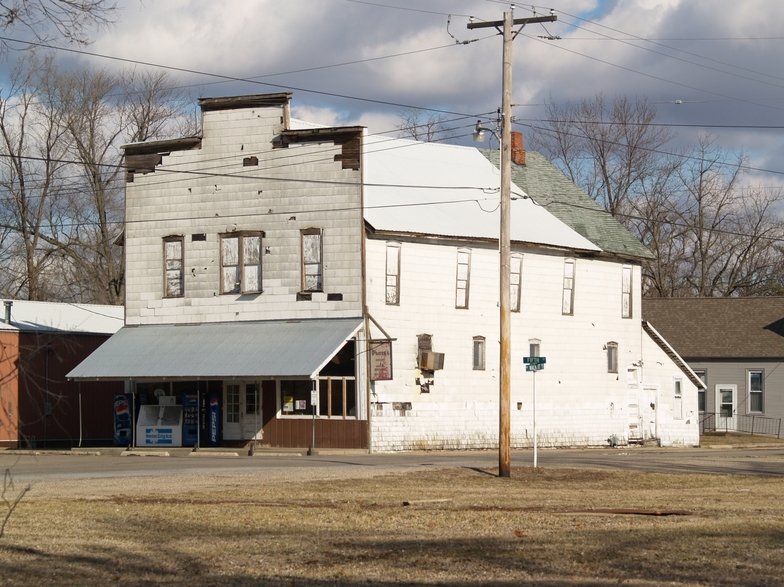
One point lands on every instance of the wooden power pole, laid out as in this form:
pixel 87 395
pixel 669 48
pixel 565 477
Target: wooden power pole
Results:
pixel 504 244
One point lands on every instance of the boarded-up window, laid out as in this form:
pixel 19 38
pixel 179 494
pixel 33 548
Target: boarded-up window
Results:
pixel 515 281
pixel 567 304
pixel 173 267
pixel 626 292
pixel 312 264
pixel 463 278
pixel 241 263
pixel 393 274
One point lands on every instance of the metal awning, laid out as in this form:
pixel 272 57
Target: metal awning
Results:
pixel 273 348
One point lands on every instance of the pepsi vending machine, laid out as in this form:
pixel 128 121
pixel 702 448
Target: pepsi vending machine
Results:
pixel 213 419
pixel 190 419
pixel 122 419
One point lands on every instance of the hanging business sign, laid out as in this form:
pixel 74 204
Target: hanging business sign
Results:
pixel 380 360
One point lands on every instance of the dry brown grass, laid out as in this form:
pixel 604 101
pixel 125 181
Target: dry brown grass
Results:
pixel 463 526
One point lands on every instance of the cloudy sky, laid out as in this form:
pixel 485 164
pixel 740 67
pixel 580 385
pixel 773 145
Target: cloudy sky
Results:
pixel 709 66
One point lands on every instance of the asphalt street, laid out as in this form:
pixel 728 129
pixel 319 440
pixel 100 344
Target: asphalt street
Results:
pixel 27 466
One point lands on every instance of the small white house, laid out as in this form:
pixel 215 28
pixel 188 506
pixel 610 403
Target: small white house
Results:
pixel 305 285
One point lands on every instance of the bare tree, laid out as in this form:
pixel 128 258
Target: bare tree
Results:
pixel 102 111
pixel 47 19
pixel 711 235
pixel 33 144
pixel 420 126
pixel 608 149
pixel 61 134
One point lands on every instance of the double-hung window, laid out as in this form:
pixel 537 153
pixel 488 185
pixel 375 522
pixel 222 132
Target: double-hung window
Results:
pixel 479 353
pixel 515 281
pixel 703 375
pixel 626 292
pixel 241 262
pixel 567 302
pixel 463 278
pixel 756 386
pixel 392 294
pixel 173 283
pixel 612 357
pixel 312 260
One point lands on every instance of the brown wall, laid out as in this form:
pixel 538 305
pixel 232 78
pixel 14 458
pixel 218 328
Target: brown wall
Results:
pixel 49 409
pixel 9 389
pixel 297 433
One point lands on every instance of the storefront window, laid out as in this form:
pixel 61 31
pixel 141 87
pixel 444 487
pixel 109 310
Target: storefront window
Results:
pixel 337 397
pixel 295 397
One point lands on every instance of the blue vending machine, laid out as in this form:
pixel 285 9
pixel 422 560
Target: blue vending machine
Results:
pixel 190 419
pixel 122 419
pixel 213 419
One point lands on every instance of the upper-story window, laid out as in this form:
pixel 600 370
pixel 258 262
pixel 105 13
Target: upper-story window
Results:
pixel 392 294
pixel 567 304
pixel 173 263
pixel 312 260
pixel 515 281
pixel 626 292
pixel 463 278
pixel 241 262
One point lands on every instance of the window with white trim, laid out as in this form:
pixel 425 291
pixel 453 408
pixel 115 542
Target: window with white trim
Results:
pixel 173 264
pixel 515 281
pixel 392 294
pixel 479 353
pixel 534 347
pixel 241 262
pixel 756 387
pixel 703 375
pixel 463 274
pixel 567 303
pixel 312 260
pixel 612 357
pixel 626 292
pixel 677 408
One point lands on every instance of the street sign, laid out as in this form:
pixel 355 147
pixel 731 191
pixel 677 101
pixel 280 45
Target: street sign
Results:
pixel 534 367
pixel 534 360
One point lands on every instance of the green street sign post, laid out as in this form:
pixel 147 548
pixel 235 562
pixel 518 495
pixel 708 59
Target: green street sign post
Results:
pixel 534 364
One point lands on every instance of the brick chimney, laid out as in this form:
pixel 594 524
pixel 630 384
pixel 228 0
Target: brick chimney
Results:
pixel 518 149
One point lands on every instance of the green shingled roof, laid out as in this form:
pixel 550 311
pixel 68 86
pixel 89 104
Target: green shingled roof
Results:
pixel 548 186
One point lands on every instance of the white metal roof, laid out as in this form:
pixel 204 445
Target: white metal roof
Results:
pixel 450 190
pixel 272 348
pixel 28 316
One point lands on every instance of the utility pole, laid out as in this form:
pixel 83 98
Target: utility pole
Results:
pixel 504 244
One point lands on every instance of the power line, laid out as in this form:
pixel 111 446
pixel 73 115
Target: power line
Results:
pixel 710 59
pixel 239 79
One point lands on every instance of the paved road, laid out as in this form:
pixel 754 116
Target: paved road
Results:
pixel 50 467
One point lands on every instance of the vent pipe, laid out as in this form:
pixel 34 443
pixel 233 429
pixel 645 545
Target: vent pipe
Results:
pixel 8 304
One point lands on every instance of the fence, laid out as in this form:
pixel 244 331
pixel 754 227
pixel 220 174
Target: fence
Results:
pixel 747 424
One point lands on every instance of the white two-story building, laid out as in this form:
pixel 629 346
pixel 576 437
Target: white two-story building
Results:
pixel 295 286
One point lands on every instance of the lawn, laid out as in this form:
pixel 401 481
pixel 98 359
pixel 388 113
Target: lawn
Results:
pixel 452 526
